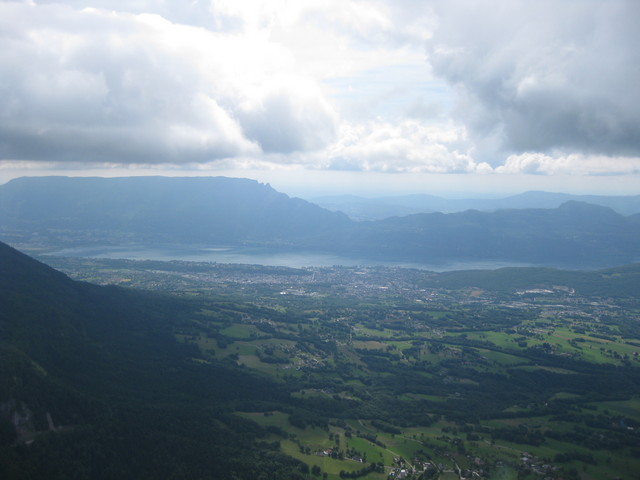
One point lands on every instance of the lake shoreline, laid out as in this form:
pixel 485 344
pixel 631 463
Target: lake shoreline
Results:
pixel 279 257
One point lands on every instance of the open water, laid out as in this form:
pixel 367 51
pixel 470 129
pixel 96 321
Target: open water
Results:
pixel 245 255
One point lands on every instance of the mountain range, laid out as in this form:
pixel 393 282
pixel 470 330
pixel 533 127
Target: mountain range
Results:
pixel 378 208
pixel 207 209
pixel 61 211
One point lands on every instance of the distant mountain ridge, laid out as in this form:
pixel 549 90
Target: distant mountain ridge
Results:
pixel 217 211
pixel 378 208
pixel 575 233
pixel 194 209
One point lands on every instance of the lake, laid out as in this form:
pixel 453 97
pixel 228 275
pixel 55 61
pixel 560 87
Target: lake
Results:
pixel 246 255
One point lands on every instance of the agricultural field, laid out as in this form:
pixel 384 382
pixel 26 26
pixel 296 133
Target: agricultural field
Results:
pixel 421 376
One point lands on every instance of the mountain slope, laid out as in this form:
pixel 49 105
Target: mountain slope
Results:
pixel 574 234
pixel 93 381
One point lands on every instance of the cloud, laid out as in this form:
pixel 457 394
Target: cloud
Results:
pixel 96 85
pixel 408 146
pixel 441 86
pixel 287 114
pixel 544 75
pixel 572 164
pixel 191 12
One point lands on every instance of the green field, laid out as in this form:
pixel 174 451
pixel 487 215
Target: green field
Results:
pixel 475 382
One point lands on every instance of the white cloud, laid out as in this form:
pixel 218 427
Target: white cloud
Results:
pixel 323 84
pixel 544 75
pixel 408 146
pixel 103 86
pixel 573 164
pixel 287 114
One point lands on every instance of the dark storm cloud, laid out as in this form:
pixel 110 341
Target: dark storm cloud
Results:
pixel 544 75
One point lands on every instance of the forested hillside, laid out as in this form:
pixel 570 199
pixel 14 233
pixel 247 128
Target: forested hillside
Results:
pixel 94 385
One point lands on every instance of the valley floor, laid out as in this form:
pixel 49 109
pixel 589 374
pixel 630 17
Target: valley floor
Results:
pixel 400 373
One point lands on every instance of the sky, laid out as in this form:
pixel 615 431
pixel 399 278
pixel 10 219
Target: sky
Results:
pixel 316 97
